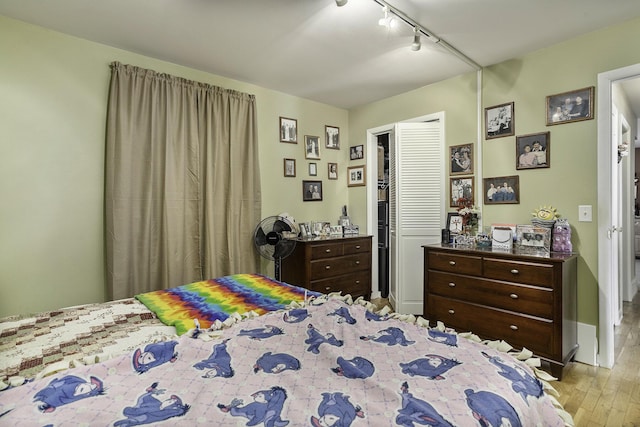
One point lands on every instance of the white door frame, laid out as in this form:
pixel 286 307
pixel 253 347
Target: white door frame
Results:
pixel 372 187
pixel 606 356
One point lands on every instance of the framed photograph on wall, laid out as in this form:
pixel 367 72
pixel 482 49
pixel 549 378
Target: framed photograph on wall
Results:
pixel 461 159
pixel 313 169
pixel 356 152
pixel 356 176
pixel 288 130
pixel 502 190
pixel 461 190
pixel 332 169
pixel 499 120
pixel 312 147
pixel 332 135
pixel 311 191
pixel 533 151
pixel 573 106
pixel 290 167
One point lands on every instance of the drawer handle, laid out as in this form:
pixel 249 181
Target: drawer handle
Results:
pixel 357 282
pixel 452 263
pixel 452 285
pixel 327 251
pixel 327 267
pixel 515 271
pixel 514 296
pixel 514 327
pixel 357 246
pixel 452 312
pixel 357 262
pixel 328 288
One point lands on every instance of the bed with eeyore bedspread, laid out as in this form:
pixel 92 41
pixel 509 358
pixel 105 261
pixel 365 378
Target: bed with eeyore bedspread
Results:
pixel 327 363
pixel 39 345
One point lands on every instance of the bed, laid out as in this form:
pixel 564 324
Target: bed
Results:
pixel 35 346
pixel 328 361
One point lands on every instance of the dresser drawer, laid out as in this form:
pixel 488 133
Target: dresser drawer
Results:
pixel 321 269
pixel 326 251
pixel 540 274
pixel 357 246
pixel 357 284
pixel 462 264
pixel 519 331
pixel 526 299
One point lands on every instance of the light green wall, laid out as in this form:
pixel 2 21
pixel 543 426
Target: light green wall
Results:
pixel 53 97
pixel 572 178
pixel 53 92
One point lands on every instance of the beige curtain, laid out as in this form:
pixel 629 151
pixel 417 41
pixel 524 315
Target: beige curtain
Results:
pixel 182 194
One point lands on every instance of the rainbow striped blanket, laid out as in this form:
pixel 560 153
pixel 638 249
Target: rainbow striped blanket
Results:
pixel 217 299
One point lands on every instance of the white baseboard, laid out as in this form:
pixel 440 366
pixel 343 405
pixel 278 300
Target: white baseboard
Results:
pixel 588 350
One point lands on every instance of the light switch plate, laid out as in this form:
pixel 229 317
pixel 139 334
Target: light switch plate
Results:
pixel 584 213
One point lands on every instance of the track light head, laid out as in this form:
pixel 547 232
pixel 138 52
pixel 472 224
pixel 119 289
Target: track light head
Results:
pixel 341 3
pixel 387 20
pixel 416 45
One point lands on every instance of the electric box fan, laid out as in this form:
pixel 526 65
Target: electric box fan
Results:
pixel 275 239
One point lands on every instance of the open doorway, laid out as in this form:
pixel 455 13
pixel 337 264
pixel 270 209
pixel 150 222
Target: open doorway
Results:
pixel 615 215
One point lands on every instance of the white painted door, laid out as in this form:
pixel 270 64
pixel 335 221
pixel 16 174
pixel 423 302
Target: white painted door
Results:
pixel 416 206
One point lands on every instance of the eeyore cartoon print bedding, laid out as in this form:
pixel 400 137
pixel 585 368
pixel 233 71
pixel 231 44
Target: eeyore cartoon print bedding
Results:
pixel 326 364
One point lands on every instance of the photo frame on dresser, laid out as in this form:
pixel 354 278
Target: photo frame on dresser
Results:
pixel 532 238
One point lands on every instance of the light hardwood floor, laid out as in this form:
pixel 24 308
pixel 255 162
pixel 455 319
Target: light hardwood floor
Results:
pixel 607 397
pixel 598 397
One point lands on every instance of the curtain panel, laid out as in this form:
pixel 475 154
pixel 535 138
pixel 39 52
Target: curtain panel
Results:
pixel 182 185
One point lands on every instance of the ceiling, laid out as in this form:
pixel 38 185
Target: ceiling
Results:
pixel 316 50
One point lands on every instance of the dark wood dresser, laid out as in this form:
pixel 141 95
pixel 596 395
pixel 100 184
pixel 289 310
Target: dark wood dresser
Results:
pixel 526 300
pixel 331 264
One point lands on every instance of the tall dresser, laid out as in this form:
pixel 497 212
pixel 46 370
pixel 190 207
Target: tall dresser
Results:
pixel 331 264
pixel 526 300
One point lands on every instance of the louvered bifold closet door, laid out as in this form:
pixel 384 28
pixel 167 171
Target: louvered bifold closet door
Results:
pixel 416 196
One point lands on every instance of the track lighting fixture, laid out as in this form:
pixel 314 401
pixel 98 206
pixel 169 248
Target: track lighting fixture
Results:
pixel 416 45
pixel 387 20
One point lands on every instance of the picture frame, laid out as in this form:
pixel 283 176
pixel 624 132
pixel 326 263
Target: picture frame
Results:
pixel 533 238
pixel 501 190
pixel 332 170
pixel 288 130
pixel 313 169
pixel 290 168
pixel 500 120
pixel 533 151
pixel 571 106
pixel 454 223
pixel 356 176
pixel 356 152
pixel 311 191
pixel 312 147
pixel 461 188
pixel 332 137
pixel 461 159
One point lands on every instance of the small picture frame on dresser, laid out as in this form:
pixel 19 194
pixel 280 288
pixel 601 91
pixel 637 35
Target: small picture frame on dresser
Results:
pixel 533 239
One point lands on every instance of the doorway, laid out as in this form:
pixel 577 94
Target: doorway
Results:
pixel 613 217
pixel 415 204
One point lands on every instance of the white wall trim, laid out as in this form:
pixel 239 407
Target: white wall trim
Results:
pixel 588 351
